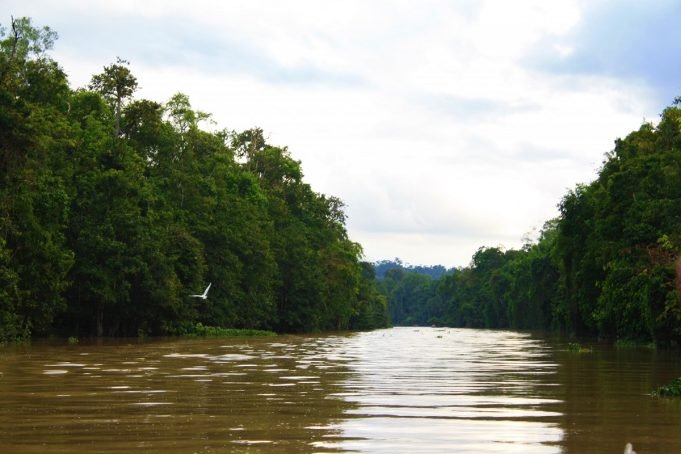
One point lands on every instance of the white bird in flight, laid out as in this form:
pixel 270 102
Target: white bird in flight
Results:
pixel 204 295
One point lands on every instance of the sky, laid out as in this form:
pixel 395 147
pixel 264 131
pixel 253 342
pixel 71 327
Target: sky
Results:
pixel 444 126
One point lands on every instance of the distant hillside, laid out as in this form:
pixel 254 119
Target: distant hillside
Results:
pixel 383 266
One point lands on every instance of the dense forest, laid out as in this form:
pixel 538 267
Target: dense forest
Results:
pixel 114 210
pixel 606 266
pixel 382 267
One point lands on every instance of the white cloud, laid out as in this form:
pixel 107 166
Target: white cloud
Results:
pixel 424 117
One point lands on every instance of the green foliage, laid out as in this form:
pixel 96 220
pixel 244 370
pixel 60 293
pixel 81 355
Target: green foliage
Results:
pixel 114 210
pixel 371 308
pixel 578 348
pixel 383 266
pixel 412 298
pixel 629 344
pixel 116 84
pixel 619 242
pixel 608 266
pixel 200 330
pixel 35 140
pixel 671 390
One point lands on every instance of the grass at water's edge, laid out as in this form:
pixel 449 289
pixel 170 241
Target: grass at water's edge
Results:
pixel 671 390
pixel 625 343
pixel 196 330
pixel 578 348
pixel 201 330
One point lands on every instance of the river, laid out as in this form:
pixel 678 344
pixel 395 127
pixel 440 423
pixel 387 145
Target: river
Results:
pixel 400 390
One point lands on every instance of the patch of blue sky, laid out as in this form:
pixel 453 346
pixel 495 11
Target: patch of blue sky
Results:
pixel 627 40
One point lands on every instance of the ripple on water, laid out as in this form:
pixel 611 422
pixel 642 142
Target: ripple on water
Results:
pixel 252 442
pixel 65 364
pixel 396 391
pixel 232 357
pixel 227 374
pixel 186 355
pixel 149 404
pixel 299 377
pixel 473 391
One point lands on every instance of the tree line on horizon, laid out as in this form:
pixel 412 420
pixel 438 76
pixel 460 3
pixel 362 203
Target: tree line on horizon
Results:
pixel 382 267
pixel 113 210
pixel 606 267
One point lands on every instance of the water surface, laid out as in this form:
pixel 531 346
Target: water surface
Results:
pixel 398 390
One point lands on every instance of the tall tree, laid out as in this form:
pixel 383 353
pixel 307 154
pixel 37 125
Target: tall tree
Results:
pixel 116 83
pixel 34 171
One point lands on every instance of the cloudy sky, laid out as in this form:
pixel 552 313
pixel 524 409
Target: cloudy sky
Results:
pixel 443 125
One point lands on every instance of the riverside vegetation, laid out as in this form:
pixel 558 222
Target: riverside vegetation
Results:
pixel 113 210
pixel 606 267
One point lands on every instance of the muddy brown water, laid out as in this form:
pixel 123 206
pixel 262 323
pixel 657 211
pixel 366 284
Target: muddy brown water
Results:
pixel 401 390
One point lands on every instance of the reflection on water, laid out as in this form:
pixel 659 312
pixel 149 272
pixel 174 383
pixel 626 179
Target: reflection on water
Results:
pixel 216 395
pixel 434 390
pixel 397 390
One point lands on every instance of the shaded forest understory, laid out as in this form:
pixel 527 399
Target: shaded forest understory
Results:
pixel 113 210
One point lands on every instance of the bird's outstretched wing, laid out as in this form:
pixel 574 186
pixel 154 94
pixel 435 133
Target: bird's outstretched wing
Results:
pixel 204 295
